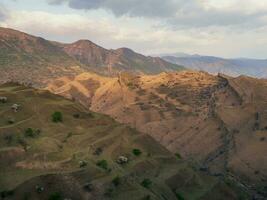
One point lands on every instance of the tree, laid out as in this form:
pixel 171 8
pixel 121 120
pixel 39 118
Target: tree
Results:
pixel 102 164
pixel 116 181
pixel 55 196
pixel 57 117
pixel 137 152
pixel 146 183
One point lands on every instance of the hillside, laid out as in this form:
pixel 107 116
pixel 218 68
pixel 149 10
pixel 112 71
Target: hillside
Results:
pixel 53 148
pixel 113 61
pixel 233 67
pixel 217 122
pixel 30 59
pixel 33 60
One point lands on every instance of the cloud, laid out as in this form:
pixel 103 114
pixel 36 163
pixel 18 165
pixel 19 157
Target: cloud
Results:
pixel 182 13
pixel 3 13
pixel 141 36
pixel 134 8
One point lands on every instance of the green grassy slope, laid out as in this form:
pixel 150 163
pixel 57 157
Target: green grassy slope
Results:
pixel 75 158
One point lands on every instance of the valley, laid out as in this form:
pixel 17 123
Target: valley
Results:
pixel 80 121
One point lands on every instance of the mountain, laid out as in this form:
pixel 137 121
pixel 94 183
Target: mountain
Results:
pixel 53 148
pixel 114 61
pixel 28 59
pixel 232 67
pixel 216 122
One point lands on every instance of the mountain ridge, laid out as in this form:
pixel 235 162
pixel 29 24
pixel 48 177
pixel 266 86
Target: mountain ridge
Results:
pixel 231 66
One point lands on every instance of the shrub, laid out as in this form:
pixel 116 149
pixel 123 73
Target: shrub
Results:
pixel 7 193
pixel 116 181
pixel 146 183
pixel 29 132
pixel 178 156
pixel 57 117
pixel 55 196
pixel 137 152
pixel 179 196
pixel 102 164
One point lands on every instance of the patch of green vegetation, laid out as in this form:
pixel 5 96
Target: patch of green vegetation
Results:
pixel 179 196
pixel 116 181
pixel 29 132
pixel 146 183
pixel 55 196
pixel 178 156
pixel 137 152
pixel 102 164
pixel 57 117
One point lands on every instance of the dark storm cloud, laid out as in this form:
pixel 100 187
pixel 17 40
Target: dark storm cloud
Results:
pixel 177 13
pixel 134 8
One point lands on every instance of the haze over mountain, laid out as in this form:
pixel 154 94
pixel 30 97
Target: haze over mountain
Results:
pixel 214 65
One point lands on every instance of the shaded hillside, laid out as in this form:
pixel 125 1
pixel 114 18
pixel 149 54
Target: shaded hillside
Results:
pixel 53 148
pixel 30 59
pixel 216 121
pixel 233 67
pixel 112 61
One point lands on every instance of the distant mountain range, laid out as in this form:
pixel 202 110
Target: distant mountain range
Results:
pixel 23 57
pixel 214 65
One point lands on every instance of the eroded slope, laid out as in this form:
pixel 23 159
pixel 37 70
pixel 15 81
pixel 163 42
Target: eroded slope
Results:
pixel 217 121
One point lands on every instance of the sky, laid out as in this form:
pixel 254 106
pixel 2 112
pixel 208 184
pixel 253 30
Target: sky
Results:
pixel 225 28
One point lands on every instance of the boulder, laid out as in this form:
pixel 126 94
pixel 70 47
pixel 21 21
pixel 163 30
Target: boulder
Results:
pixel 3 99
pixel 122 160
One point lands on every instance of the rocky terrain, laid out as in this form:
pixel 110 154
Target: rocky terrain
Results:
pixel 217 122
pixel 53 148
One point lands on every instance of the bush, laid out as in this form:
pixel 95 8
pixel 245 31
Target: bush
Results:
pixel 179 196
pixel 102 164
pixel 29 132
pixel 116 181
pixel 137 152
pixel 146 183
pixel 178 156
pixel 55 196
pixel 57 117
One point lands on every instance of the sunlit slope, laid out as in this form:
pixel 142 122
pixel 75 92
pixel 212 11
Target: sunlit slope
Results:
pixel 74 154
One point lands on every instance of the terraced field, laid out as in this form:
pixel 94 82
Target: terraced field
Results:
pixel 53 148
